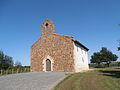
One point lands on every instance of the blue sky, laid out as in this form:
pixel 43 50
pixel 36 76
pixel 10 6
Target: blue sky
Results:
pixel 92 22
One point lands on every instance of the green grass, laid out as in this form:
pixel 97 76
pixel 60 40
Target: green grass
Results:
pixel 98 79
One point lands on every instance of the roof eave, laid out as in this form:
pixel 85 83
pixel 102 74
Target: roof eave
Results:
pixel 81 45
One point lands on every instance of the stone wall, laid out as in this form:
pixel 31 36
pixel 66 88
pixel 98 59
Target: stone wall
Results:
pixel 58 47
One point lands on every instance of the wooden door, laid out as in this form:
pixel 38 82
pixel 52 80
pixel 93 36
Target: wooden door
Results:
pixel 48 65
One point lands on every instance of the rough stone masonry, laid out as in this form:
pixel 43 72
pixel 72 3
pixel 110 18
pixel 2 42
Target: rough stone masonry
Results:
pixel 57 53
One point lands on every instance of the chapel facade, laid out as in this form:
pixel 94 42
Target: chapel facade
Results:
pixel 57 53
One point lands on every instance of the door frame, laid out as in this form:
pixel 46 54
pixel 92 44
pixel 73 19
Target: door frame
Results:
pixel 44 63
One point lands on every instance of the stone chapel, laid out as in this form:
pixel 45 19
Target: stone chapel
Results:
pixel 57 53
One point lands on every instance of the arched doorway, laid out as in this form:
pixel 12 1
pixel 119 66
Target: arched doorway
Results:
pixel 48 65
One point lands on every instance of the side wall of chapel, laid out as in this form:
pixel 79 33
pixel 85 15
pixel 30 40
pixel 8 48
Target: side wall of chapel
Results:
pixel 80 58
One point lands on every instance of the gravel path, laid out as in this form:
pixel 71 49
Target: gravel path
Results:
pixel 31 81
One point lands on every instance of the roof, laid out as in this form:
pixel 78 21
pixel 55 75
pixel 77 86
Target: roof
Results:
pixel 80 44
pixel 70 37
pixel 72 40
pixel 61 35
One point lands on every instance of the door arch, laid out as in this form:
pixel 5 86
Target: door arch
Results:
pixel 48 65
pixel 51 62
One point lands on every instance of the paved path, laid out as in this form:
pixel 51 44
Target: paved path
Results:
pixel 31 81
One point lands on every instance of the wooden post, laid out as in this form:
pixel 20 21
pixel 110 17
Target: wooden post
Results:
pixel 20 70
pixel 17 70
pixel 12 71
pixel 1 71
pixel 6 71
pixel 25 70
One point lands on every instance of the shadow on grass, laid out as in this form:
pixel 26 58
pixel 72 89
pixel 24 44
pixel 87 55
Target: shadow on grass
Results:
pixel 117 68
pixel 112 73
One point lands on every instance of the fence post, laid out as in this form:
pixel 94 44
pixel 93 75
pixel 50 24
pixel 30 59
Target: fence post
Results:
pixel 25 70
pixel 17 70
pixel 20 70
pixel 1 71
pixel 12 71
pixel 6 72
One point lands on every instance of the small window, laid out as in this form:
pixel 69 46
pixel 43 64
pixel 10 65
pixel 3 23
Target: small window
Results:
pixel 77 49
pixel 46 26
pixel 83 60
pixel 82 51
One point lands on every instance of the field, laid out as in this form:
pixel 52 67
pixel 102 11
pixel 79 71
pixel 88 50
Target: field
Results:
pixel 97 79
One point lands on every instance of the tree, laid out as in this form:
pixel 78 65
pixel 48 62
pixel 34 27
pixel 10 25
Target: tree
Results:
pixel 96 58
pixel 118 63
pixel 103 56
pixel 108 56
pixel 5 61
pixel 18 64
pixel 1 58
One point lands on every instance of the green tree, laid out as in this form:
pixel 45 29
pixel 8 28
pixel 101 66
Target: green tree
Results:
pixel 5 61
pixel 107 56
pixel 18 64
pixel 96 58
pixel 1 59
pixel 118 63
pixel 104 55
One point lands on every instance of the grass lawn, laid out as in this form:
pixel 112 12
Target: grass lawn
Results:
pixel 98 79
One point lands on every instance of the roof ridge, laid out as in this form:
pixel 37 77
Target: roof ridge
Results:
pixel 61 35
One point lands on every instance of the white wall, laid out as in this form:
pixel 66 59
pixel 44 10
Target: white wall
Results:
pixel 80 58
